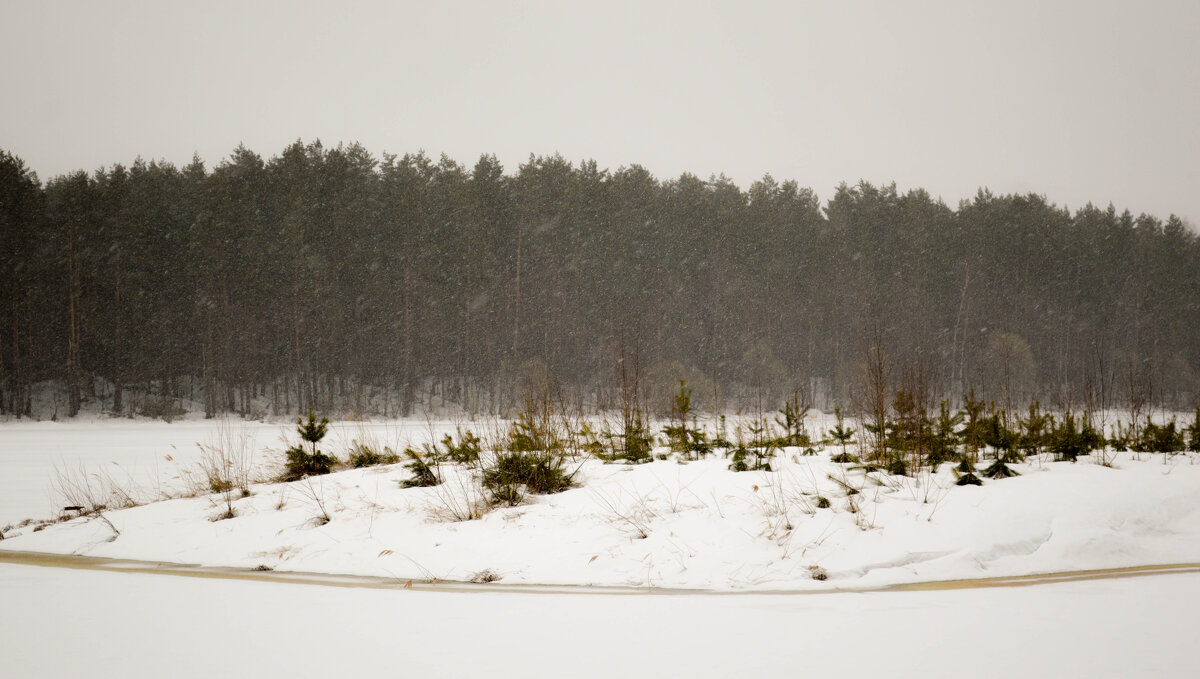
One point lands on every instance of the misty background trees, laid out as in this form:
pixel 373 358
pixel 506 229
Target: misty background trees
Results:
pixel 329 278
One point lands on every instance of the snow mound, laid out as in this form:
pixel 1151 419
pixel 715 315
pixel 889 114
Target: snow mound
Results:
pixel 669 524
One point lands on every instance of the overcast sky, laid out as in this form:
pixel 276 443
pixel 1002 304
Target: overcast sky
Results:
pixel 1080 101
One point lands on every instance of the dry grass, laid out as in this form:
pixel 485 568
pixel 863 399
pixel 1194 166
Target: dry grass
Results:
pixel 313 492
pixel 225 467
pixel 460 497
pixel 92 491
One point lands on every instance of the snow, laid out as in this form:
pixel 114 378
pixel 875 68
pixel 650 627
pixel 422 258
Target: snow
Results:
pixel 667 524
pixel 705 527
pixel 61 623
pixel 150 454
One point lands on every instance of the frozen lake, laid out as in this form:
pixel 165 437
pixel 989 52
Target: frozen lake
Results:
pixel 69 623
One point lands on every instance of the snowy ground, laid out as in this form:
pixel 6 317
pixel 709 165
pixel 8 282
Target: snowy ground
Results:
pixel 667 524
pixel 661 525
pixel 60 623
pixel 151 454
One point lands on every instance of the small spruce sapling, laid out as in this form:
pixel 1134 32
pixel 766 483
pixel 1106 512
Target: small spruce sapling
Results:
pixel 365 455
pixel 300 462
pixel 1160 438
pixel 791 418
pixel 972 431
pixel 1193 431
pixel 1003 440
pixel 689 442
pixel 1035 429
pixel 466 451
pixel 843 435
pixel 943 443
pixel 1068 442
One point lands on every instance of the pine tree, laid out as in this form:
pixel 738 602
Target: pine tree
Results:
pixel 311 462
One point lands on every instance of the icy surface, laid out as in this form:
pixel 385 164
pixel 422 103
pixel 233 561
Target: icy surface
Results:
pixel 61 623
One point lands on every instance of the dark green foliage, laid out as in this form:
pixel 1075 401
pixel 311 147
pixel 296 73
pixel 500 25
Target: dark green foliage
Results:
pixel 996 433
pixel 1122 438
pixel 690 442
pixel 531 434
pixel 754 458
pixel 755 455
pixel 323 275
pixel 363 455
pixel 842 435
pixel 907 433
pixel 843 458
pixel 1035 430
pixel 972 432
pixel 999 470
pixel 466 451
pixel 301 463
pixel 312 462
pixel 423 469
pixel 968 479
pixel 588 441
pixel 632 446
pixel 823 502
pixel 1193 432
pixel 681 407
pixel 722 442
pixel 312 431
pixel 791 419
pixel 943 443
pixel 511 475
pixel 1068 441
pixel 1160 438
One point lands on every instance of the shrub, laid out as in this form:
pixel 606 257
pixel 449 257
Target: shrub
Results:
pixel 943 437
pixel 466 451
pixel 633 445
pixel 363 455
pixel 513 474
pixel 842 435
pixel 792 420
pixel 1068 442
pixel 1035 430
pixel 300 462
pixel 1194 433
pixel 424 469
pixel 681 407
pixel 745 459
pixel 1157 438
pixel 690 442
pixel 996 433
pixel 896 466
pixel 968 479
pixel 999 470
pixel 530 433
pixel 1122 438
pixel 757 455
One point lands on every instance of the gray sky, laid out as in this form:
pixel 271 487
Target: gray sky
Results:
pixel 1081 101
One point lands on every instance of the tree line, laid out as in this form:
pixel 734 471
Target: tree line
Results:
pixel 327 277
